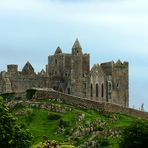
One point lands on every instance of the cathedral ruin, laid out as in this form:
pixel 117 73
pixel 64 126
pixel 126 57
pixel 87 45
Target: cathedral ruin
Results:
pixel 70 73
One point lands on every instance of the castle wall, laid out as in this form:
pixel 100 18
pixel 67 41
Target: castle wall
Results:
pixel 86 65
pixel 21 83
pixel 97 84
pixel 89 104
pixel 12 69
pixel 107 67
pixel 67 66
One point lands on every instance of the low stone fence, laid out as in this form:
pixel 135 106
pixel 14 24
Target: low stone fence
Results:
pixel 90 104
pixel 69 99
pixel 129 111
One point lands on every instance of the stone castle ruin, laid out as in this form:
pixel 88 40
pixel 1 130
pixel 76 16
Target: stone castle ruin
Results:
pixel 70 73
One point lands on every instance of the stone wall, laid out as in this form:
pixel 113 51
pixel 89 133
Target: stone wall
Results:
pixel 90 104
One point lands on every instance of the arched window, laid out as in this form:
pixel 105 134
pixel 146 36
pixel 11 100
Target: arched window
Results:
pixel 56 61
pixel 68 90
pixel 91 90
pixel 102 90
pixel 97 90
pixel 109 86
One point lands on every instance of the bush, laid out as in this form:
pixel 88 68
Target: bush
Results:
pixel 12 135
pixel 63 123
pixel 29 115
pixel 53 116
pixel 8 96
pixel 135 135
pixel 103 142
pixel 99 128
pixel 30 93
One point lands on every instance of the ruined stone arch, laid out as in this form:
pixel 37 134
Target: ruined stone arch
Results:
pixel 102 90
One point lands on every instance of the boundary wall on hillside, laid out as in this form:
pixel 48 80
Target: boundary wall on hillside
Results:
pixel 90 104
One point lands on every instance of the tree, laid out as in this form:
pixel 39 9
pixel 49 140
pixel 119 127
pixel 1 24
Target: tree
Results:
pixel 135 135
pixel 12 135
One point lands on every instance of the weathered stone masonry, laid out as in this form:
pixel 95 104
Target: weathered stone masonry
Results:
pixel 88 104
pixel 70 73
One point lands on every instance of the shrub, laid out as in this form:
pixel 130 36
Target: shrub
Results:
pixel 99 128
pixel 8 96
pixel 103 142
pixel 11 133
pixel 30 93
pixel 135 135
pixel 53 116
pixel 63 123
pixel 29 115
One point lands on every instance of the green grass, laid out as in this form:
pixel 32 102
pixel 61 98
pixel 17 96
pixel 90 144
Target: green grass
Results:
pixel 39 124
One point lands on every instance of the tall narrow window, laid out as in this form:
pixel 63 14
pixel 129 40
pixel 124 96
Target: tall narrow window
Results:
pixel 102 90
pixel 91 90
pixel 68 90
pixel 97 91
pixel 109 86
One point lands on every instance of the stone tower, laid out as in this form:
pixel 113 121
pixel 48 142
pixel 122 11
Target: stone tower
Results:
pixel 76 69
pixel 117 83
pixel 120 83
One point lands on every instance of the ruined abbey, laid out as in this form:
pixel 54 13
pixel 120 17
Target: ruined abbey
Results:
pixel 70 73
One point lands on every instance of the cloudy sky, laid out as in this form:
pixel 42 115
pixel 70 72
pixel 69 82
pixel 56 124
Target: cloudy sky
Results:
pixel 30 30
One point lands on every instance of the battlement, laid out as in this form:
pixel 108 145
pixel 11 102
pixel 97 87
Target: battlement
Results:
pixel 120 64
pixel 12 69
pixel 107 67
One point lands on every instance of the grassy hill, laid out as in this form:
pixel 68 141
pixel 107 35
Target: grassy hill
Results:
pixel 70 125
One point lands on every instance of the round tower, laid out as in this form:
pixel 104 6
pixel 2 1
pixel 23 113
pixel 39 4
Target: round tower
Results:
pixel 76 69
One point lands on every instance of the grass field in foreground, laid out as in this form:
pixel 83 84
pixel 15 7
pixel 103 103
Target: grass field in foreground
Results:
pixel 40 125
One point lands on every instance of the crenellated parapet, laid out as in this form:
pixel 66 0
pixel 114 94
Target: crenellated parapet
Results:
pixel 120 64
pixel 12 69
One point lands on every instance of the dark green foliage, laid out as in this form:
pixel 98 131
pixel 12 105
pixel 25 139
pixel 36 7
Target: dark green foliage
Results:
pixel 8 96
pixel 53 116
pixel 103 141
pixel 63 123
pixel 29 115
pixel 135 135
pixel 11 134
pixel 30 93
pixel 99 128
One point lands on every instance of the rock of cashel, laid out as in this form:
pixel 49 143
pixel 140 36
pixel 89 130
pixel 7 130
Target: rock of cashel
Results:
pixel 70 73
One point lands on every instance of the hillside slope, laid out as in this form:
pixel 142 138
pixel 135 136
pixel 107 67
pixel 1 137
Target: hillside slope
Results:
pixel 67 124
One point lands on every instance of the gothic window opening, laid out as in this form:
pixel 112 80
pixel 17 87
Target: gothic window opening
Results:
pixel 97 90
pixel 56 61
pixel 102 90
pixel 54 87
pixel 91 90
pixel 68 90
pixel 109 86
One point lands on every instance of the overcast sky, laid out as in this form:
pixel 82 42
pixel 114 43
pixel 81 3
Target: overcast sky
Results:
pixel 30 30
